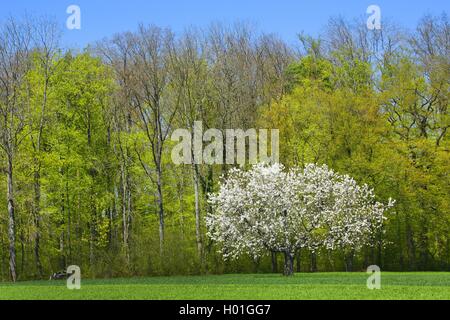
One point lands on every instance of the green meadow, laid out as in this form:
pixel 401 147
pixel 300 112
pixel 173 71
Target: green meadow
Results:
pixel 307 286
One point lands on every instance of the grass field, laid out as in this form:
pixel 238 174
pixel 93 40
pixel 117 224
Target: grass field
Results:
pixel 240 287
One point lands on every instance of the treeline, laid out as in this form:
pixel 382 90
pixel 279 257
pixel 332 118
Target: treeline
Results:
pixel 86 145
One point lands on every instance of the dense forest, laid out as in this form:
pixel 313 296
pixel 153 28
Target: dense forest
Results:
pixel 85 141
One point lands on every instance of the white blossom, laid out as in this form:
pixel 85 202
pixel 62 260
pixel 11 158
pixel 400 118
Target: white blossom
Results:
pixel 269 208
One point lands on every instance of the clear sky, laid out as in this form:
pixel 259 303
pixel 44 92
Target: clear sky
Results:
pixel 103 18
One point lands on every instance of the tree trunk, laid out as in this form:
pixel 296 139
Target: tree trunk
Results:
pixel 125 234
pixel 69 219
pixel 62 258
pixel 274 262
pixel 37 179
pixel 423 252
pixel 288 264
pixel 198 233
pixel 92 235
pixel 399 243
pixel 349 261
pixel 11 221
pixel 2 255
pixel 256 264
pixel 20 223
pixel 160 208
pixel 69 234
pixel 380 250
pixel 114 215
pixel 37 221
pixel 207 184
pixel 91 245
pixel 299 260
pixel 411 246
pixel 313 262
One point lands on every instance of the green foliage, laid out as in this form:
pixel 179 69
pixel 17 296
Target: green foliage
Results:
pixel 84 171
pixel 393 139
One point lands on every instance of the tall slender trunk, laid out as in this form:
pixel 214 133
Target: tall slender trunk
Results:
pixel 157 157
pixel 180 193
pixel 349 261
pixel 62 258
pixel 63 199
pixel 274 262
pixel 380 250
pixel 37 181
pixel 299 254
pixel 3 263
pixel 92 234
pixel 424 254
pixel 209 188
pixel 198 233
pixel 399 243
pixel 37 220
pixel 22 246
pixel 411 246
pixel 125 234
pixel 91 247
pixel 160 207
pixel 78 233
pixel 69 221
pixel 11 220
pixel 113 216
pixel 313 262
pixel 111 211
pixel 288 264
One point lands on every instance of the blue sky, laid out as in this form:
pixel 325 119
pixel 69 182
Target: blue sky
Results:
pixel 103 18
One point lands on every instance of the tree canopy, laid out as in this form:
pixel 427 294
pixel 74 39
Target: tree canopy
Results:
pixel 86 172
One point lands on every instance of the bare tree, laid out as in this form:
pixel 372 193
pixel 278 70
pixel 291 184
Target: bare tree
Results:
pixel 117 54
pixel 354 40
pixel 45 40
pixel 153 104
pixel 431 39
pixel 431 45
pixel 189 71
pixel 15 43
pixel 220 76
